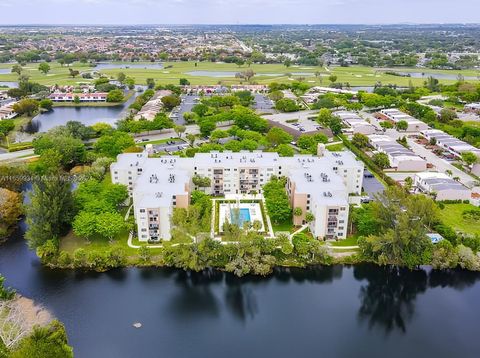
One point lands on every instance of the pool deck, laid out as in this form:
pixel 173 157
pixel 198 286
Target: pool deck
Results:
pixel 257 216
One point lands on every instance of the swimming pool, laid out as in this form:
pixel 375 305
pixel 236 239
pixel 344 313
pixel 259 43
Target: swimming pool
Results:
pixel 239 216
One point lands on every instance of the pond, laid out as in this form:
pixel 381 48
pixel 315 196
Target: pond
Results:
pixel 125 65
pixel 218 74
pixel 86 115
pixel 337 311
pixel 439 76
pixel 226 73
pixel 8 84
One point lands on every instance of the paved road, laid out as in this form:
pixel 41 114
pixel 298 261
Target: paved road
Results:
pixel 192 129
pixel 301 115
pixel 440 164
pixel 15 155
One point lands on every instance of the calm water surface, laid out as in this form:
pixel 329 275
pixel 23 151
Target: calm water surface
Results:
pixel 86 115
pixel 362 311
pixel 124 65
pixel 440 76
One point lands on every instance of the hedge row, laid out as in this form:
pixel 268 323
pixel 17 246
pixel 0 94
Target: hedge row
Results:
pixel 368 161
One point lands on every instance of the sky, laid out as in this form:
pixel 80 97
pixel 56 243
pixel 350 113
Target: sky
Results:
pixel 238 11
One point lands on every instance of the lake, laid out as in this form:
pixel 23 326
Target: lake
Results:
pixel 86 115
pixel 361 311
pixel 439 76
pixel 232 74
pixel 9 84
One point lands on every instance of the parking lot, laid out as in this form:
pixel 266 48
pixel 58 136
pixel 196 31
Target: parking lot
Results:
pixel 188 101
pixel 371 185
pixel 263 104
pixel 173 145
pixel 297 123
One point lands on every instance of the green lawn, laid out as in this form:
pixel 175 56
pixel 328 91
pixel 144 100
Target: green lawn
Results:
pixel 355 75
pixel 285 226
pixel 335 147
pixel 71 242
pixel 451 216
pixel 349 241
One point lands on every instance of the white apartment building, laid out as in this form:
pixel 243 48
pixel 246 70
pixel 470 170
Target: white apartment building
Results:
pixel 317 184
pixel 414 125
pixel 82 97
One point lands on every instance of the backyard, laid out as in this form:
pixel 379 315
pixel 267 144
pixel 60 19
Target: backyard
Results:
pixel 452 215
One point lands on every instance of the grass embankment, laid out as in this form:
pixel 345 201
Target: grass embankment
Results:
pixel 452 216
pixel 265 74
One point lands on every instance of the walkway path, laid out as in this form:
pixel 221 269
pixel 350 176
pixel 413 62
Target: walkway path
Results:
pixel 343 247
pixel 16 155
pixel 303 227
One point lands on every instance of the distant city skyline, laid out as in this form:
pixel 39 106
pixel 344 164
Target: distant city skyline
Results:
pixel 237 12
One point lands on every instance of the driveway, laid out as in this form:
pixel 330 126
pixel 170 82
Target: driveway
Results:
pixel 440 164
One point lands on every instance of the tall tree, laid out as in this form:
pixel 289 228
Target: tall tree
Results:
pixel 44 67
pixel 50 210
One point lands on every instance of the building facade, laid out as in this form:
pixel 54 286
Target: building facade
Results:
pixel 394 115
pixel 401 158
pixel 441 186
pixel 320 185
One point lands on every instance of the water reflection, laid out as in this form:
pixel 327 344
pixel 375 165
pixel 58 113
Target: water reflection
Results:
pixel 457 279
pixel 387 301
pixel 194 296
pixel 389 296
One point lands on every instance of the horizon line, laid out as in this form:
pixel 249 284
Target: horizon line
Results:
pixel 250 24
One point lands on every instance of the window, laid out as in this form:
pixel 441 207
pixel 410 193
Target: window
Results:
pixel 142 210
pixel 342 209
